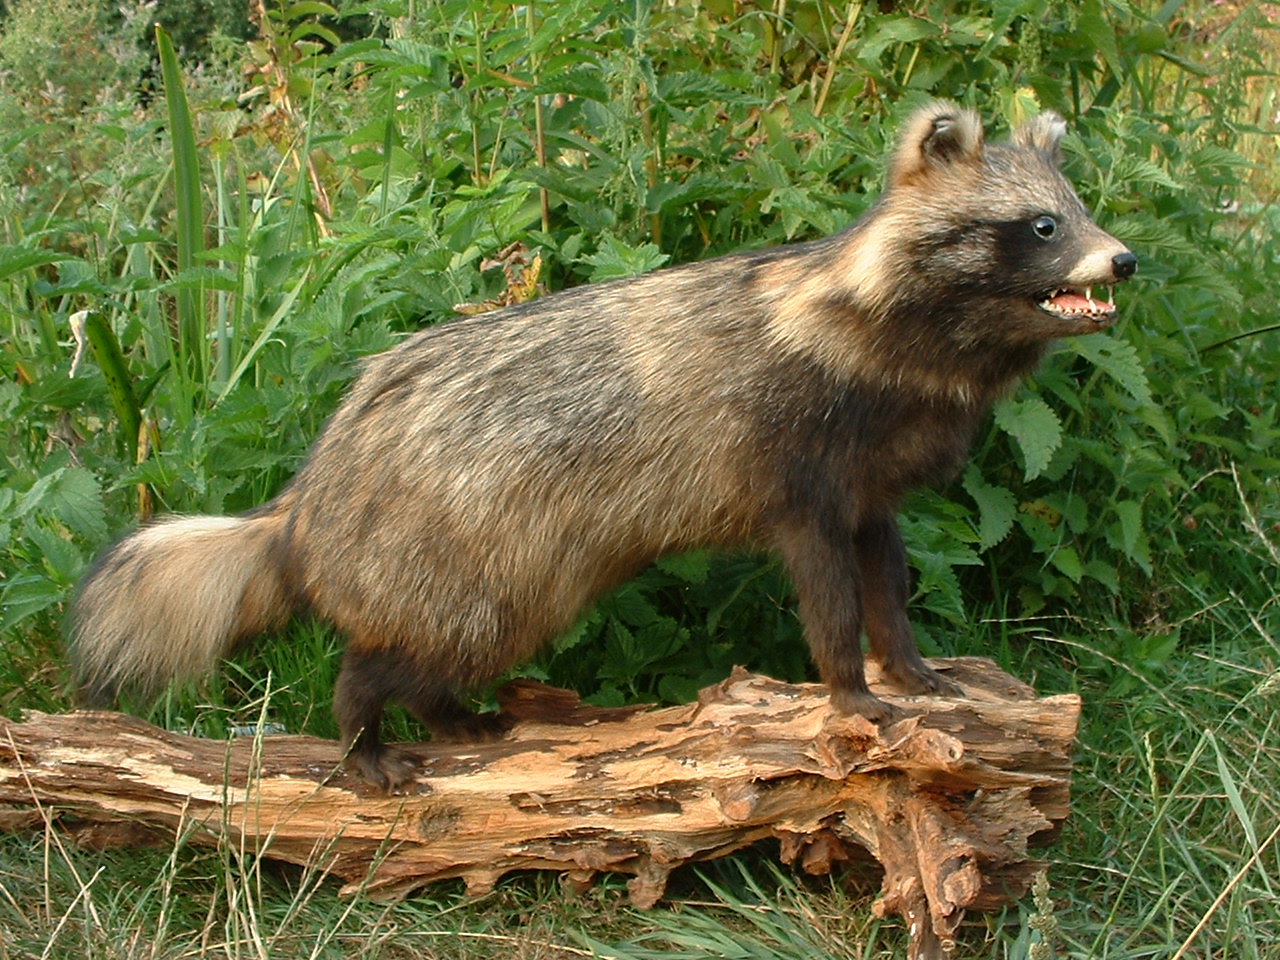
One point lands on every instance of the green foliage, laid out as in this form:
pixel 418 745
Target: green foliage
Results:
pixel 749 923
pixel 349 175
pixel 60 56
pixel 188 361
pixel 197 26
pixel 358 187
pixel 682 626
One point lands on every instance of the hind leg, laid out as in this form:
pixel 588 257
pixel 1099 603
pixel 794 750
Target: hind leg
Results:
pixel 365 683
pixel 368 679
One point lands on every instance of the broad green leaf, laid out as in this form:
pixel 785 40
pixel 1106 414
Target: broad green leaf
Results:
pixel 1094 29
pixel 689 567
pixel 688 89
pixel 583 81
pixel 1143 230
pixel 1133 538
pixel 1035 427
pixel 23 596
pixel 1138 170
pixel 894 29
pixel 70 495
pixel 303 30
pixel 997 508
pixel 1119 359
pixel 16 259
pixel 1215 156
pixel 76 500
pixel 308 8
pixel 587 626
pixel 615 259
pixel 1067 561
pixel 673 194
pixel 61 560
pixel 629 604
pixel 1105 574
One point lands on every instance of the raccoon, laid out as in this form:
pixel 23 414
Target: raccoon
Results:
pixel 488 478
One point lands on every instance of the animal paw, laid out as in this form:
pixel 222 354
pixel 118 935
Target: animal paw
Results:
pixel 388 769
pixel 919 678
pixel 474 727
pixel 864 704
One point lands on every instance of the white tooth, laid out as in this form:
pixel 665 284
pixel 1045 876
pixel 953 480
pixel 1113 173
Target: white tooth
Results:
pixel 1111 295
pixel 1088 293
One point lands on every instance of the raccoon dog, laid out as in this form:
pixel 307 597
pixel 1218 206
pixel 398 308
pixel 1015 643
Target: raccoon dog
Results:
pixel 488 478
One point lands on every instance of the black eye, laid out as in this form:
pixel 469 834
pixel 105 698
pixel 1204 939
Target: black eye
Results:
pixel 1045 227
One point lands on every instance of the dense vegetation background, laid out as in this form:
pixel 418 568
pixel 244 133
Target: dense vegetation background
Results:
pixel 333 178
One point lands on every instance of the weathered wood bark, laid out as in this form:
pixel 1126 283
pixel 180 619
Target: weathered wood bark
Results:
pixel 948 798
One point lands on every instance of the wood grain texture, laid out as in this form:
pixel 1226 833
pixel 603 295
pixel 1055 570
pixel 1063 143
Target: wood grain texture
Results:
pixel 948 799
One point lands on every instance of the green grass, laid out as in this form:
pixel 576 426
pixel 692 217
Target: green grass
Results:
pixel 1118 532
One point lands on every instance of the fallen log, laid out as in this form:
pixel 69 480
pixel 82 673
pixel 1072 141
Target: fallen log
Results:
pixel 948 798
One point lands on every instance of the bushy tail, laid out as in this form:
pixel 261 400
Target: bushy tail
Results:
pixel 169 601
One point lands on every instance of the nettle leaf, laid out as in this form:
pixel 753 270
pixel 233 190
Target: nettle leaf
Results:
pixel 1119 359
pixel 1105 574
pixel 1143 230
pixel 689 89
pixel 61 559
pixel 1067 561
pixel 78 503
pixel 1212 155
pixel 28 595
pixel 690 567
pixel 1035 427
pixel 616 259
pixel 72 496
pixel 935 553
pixel 997 508
pixel 17 259
pixel 890 30
pixel 587 627
pixel 1133 537
pixel 1132 169
pixel 631 605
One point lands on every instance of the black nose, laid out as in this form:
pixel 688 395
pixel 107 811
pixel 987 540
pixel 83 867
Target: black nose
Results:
pixel 1124 265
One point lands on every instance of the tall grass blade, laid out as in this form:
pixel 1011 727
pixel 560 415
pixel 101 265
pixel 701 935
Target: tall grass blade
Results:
pixel 268 331
pixel 188 215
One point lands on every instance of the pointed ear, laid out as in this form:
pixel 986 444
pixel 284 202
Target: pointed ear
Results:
pixel 1043 132
pixel 933 138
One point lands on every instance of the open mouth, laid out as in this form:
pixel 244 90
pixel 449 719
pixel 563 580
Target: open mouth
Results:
pixel 1080 305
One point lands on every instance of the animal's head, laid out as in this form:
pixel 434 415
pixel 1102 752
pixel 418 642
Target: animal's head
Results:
pixel 995 227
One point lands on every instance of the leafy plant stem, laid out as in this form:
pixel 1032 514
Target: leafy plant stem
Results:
pixel 222 333
pixel 539 131
pixel 851 18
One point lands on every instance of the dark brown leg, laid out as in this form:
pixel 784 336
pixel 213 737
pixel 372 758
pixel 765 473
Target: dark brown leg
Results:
pixel 882 563
pixel 824 570
pixel 368 679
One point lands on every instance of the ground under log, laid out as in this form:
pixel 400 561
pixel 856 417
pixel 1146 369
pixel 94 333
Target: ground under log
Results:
pixel 947 799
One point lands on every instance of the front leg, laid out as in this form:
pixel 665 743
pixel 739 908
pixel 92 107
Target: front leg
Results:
pixel 823 564
pixel 882 565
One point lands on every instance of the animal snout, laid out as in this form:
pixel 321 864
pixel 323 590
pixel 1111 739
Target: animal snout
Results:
pixel 1124 265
